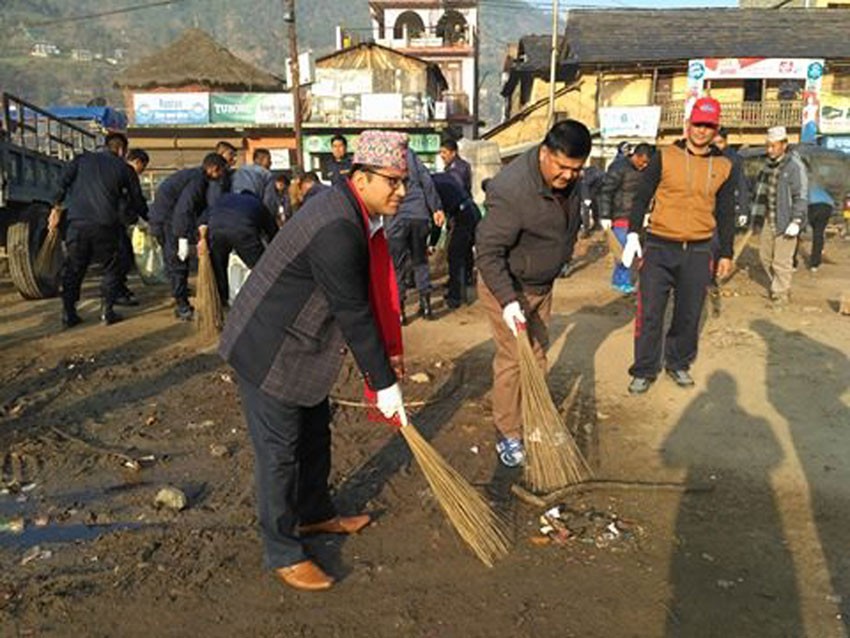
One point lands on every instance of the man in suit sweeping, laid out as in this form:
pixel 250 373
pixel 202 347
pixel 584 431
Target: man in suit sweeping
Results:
pixel 325 283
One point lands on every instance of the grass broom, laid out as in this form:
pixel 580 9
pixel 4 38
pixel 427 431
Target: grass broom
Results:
pixel 46 261
pixel 471 516
pixel 210 313
pixel 553 460
pixel 614 246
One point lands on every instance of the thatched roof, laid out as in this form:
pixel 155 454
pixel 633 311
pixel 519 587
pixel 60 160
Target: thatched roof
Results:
pixel 195 58
pixel 375 57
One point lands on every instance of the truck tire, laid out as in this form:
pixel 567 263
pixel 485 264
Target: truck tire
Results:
pixel 23 240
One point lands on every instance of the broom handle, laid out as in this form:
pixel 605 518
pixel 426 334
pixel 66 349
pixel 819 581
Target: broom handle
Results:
pixel 402 416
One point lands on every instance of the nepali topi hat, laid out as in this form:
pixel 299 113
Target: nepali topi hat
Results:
pixel 383 149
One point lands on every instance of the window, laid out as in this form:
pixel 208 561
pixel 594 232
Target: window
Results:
pixel 451 27
pixel 414 24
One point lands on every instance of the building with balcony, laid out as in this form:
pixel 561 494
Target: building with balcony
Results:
pixel 756 65
pixel 444 32
pixel 372 86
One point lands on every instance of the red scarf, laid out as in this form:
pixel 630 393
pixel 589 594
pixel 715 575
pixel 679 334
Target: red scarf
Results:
pixel 383 298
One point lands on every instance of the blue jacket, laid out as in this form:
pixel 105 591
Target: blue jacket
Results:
pixel 259 181
pixel 422 200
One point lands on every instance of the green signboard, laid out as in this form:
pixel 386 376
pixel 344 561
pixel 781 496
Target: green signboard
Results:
pixel 252 108
pixel 422 143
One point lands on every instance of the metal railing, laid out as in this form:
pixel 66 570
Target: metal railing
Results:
pixel 34 129
pixel 741 114
pixel 454 36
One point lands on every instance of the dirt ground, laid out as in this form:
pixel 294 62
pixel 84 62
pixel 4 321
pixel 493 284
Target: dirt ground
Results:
pixel 94 421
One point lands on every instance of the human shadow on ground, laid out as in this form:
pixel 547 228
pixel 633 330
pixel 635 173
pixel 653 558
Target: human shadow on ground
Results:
pixel 806 383
pixel 731 573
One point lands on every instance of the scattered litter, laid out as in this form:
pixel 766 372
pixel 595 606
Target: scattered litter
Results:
pixel 725 584
pixel 219 450
pixel 42 520
pixel 438 364
pixel 561 525
pixel 28 487
pixel 203 425
pixel 36 553
pixel 226 378
pixel 707 557
pixel 420 377
pixel 474 449
pixel 132 464
pixel 834 599
pixel 151 420
pixel 172 498
pixel 12 525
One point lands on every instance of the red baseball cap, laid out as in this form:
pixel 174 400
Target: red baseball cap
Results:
pixel 706 110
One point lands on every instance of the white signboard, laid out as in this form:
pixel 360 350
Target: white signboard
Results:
pixel 280 159
pixel 381 107
pixel 306 69
pixel 630 121
pixel 152 109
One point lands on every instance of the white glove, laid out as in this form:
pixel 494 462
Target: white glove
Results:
pixel 631 250
pixel 182 249
pixel 512 314
pixel 792 230
pixel 389 401
pixel 743 220
pixel 605 223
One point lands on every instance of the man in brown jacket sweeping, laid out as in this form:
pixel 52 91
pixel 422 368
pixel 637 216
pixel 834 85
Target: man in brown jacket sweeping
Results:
pixel 533 218
pixel 693 185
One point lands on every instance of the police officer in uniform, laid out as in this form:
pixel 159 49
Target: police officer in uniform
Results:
pixel 102 196
pixel 179 201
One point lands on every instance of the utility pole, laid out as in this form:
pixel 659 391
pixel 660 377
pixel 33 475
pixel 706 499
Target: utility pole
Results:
pixel 553 63
pixel 289 18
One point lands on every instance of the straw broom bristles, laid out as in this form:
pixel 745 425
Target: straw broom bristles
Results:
pixel 475 521
pixel 45 261
pixel 210 313
pixel 553 460
pixel 45 265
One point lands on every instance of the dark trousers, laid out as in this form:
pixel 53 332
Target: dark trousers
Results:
pixel 86 243
pixel 684 269
pixel 819 215
pixel 292 461
pixel 125 259
pixel 460 255
pixel 245 242
pixel 408 239
pixel 177 271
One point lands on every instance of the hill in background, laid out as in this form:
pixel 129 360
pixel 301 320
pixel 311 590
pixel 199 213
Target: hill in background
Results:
pixel 255 31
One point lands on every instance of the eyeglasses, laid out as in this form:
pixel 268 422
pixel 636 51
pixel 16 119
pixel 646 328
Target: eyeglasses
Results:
pixel 392 182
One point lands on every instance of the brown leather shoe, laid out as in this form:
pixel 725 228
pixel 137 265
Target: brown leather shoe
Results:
pixel 337 525
pixel 305 575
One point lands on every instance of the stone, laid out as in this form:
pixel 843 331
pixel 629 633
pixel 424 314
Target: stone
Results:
pixel 172 498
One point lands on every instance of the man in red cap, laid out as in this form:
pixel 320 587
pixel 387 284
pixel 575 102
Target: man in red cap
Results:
pixel 693 185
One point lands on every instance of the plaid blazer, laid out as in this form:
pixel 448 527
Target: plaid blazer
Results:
pixel 307 298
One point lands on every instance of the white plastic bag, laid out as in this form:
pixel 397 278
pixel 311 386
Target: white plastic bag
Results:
pixel 148 256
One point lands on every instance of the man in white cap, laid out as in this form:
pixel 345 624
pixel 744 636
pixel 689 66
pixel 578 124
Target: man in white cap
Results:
pixel 781 200
pixel 325 283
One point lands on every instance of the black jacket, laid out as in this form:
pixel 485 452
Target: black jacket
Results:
pixel 338 170
pixel 619 187
pixel 529 232
pixel 306 297
pixel 241 213
pixel 457 203
pixel 179 202
pixel 101 189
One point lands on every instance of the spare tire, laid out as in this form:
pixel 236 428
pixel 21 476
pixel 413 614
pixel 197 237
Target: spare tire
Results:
pixel 23 239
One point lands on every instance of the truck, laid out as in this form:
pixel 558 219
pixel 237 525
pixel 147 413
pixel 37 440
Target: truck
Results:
pixel 35 146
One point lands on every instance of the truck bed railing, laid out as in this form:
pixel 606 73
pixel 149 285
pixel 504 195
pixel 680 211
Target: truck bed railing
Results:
pixel 34 129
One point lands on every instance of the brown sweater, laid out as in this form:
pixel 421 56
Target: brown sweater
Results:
pixel 694 195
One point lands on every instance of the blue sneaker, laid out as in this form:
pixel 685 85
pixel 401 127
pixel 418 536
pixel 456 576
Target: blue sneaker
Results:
pixel 511 451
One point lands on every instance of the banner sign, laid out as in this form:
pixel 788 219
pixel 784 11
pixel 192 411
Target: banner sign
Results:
pixel 252 108
pixel 752 68
pixel 152 109
pixel 630 121
pixel 834 114
pixel 808 69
